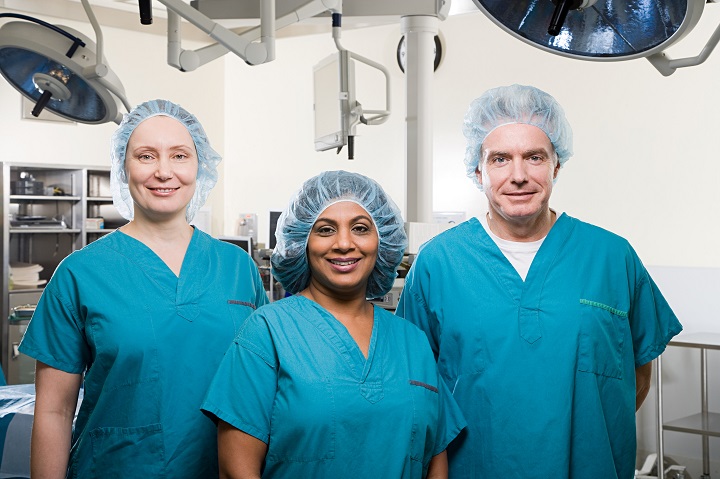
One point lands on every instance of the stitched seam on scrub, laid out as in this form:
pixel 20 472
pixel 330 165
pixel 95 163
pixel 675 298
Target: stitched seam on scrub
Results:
pixel 614 311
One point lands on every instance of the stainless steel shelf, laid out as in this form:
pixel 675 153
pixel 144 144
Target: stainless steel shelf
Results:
pixel 29 230
pixel 100 199
pixel 99 231
pixel 14 198
pixel 696 424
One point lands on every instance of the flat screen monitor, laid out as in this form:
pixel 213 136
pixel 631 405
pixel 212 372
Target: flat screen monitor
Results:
pixel 274 217
pixel 333 95
pixel 244 242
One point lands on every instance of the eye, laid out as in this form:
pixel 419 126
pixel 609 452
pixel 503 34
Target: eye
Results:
pixel 145 157
pixel 536 159
pixel 498 160
pixel 325 230
pixel 181 157
pixel 361 228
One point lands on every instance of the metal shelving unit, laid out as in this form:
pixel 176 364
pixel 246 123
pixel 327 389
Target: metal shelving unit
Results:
pixel 67 199
pixel 705 423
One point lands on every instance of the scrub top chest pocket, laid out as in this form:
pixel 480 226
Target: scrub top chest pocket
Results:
pixel 602 332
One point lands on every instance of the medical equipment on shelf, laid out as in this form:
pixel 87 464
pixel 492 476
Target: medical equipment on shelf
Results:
pixel 649 470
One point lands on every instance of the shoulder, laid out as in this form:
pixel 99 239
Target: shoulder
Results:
pixel 455 237
pixel 595 235
pixel 403 327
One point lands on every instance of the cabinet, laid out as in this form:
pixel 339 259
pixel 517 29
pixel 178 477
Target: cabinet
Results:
pixel 704 423
pixel 44 213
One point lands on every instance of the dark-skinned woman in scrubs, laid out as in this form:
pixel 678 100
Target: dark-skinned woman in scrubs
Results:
pixel 324 384
pixel 141 317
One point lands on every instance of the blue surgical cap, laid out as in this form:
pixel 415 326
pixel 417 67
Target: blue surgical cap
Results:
pixel 208 159
pixel 289 258
pixel 514 104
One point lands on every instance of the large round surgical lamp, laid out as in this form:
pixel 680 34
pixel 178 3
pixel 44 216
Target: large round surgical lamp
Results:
pixel 57 68
pixel 602 30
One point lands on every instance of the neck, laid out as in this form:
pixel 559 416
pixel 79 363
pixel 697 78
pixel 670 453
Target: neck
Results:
pixel 339 305
pixel 521 230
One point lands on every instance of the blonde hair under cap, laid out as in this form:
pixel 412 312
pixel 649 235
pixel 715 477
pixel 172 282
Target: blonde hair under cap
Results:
pixel 514 104
pixel 208 159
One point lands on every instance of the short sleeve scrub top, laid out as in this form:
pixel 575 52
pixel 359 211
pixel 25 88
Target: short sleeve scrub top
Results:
pixel 295 379
pixel 148 343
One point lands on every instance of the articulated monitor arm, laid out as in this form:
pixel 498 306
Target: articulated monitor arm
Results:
pixel 244 45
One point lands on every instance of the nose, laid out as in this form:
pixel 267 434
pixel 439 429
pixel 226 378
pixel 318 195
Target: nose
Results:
pixel 343 240
pixel 519 171
pixel 164 169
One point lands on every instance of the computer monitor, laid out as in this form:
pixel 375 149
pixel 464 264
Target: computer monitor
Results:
pixel 274 217
pixel 334 99
pixel 244 242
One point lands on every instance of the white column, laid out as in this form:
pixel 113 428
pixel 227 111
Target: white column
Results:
pixel 419 31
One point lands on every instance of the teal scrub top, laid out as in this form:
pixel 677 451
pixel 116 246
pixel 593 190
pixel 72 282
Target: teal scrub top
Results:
pixel 295 379
pixel 148 342
pixel 543 370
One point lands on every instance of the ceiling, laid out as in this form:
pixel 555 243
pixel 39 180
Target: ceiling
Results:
pixel 124 14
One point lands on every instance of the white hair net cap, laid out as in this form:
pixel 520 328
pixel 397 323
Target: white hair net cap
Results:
pixel 514 104
pixel 208 159
pixel 289 258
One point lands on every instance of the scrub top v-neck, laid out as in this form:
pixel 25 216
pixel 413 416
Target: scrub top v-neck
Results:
pixel 296 379
pixel 148 342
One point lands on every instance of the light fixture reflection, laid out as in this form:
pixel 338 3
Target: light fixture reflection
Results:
pixel 60 72
pixel 603 30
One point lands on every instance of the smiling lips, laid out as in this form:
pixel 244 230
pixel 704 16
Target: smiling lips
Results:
pixel 163 191
pixel 344 264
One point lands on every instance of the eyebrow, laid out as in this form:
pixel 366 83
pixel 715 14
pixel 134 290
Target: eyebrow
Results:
pixel 352 220
pixel 531 152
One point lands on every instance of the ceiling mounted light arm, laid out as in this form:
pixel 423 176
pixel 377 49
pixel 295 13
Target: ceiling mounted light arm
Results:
pixel 667 66
pixel 245 45
pixel 99 71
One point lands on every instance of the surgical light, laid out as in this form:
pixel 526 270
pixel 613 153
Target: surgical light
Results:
pixel 603 30
pixel 59 70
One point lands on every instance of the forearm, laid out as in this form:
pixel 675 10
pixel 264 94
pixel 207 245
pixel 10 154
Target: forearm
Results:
pixel 50 445
pixel 643 375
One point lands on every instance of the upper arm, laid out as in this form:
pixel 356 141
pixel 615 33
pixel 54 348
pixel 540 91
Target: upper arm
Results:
pixel 240 455
pixel 56 391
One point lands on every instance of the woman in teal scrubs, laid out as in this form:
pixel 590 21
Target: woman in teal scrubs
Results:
pixel 323 384
pixel 143 315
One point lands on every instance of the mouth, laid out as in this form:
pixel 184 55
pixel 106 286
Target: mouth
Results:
pixel 163 190
pixel 343 261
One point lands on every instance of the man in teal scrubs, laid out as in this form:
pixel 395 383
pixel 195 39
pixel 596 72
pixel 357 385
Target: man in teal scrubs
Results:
pixel 544 327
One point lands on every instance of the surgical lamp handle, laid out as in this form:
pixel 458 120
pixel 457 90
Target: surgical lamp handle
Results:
pixel 667 66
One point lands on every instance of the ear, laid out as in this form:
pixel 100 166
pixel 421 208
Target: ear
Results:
pixel 556 170
pixel 478 173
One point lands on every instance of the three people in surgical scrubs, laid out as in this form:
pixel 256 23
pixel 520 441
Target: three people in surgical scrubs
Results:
pixel 543 326
pixel 140 317
pixel 324 384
